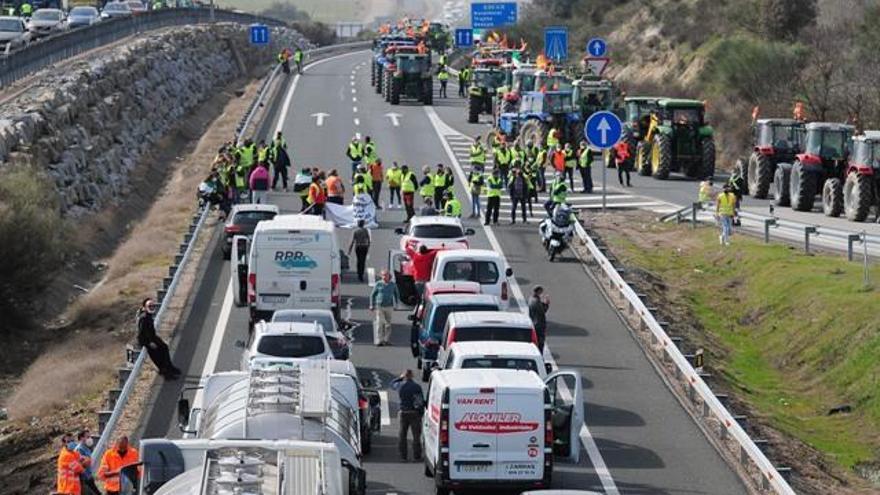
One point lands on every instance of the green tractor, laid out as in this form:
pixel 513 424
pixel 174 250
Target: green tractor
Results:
pixel 636 121
pixel 408 75
pixel 486 78
pixel 678 140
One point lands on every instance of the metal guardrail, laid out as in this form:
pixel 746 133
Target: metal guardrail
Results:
pixel 108 427
pixel 712 413
pixel 43 53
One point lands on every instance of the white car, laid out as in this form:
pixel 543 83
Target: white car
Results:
pixel 44 22
pixel 494 355
pixel 340 344
pixel 434 232
pixel 14 34
pixel 286 341
pixel 483 266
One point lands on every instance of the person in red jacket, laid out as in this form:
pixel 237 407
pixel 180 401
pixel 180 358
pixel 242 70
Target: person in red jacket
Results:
pixel 422 261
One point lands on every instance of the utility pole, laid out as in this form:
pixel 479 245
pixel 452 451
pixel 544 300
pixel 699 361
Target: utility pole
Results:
pixel 212 11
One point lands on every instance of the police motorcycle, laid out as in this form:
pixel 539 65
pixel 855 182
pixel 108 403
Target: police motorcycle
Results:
pixel 557 229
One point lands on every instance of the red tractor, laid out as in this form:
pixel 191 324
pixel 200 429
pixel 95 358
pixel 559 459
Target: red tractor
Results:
pixel 861 190
pixel 774 141
pixel 818 168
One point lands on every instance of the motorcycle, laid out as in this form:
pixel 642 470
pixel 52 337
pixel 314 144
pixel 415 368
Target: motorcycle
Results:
pixel 557 230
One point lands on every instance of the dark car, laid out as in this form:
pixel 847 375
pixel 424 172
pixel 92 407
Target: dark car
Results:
pixel 242 220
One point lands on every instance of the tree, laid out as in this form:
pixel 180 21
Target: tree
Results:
pixel 784 19
pixel 286 12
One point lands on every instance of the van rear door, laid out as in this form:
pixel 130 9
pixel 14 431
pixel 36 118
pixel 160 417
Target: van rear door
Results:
pixel 238 264
pixel 521 439
pixel 567 400
pixel 473 439
pixel 294 270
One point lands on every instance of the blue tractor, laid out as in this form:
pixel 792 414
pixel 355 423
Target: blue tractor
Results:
pixel 381 56
pixel 539 111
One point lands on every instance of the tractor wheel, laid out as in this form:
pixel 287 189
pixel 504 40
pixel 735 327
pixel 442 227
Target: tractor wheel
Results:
pixel 394 97
pixel 707 161
pixel 373 74
pixel 533 133
pixel 643 158
pixel 780 185
pixel 802 188
pixel 379 77
pixel 760 175
pixel 857 197
pixel 832 198
pixel 661 156
pixel 473 109
pixel 386 87
pixel 428 92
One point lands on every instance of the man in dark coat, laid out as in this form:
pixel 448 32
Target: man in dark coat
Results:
pixel 539 303
pixel 156 347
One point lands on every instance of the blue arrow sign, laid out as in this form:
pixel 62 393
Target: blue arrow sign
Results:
pixel 494 14
pixel 259 34
pixel 464 37
pixel 597 47
pixel 603 130
pixel 556 43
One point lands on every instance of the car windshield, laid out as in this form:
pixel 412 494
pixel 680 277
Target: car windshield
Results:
pixel 83 12
pixel 779 136
pixel 251 218
pixel 827 143
pixel 489 79
pixel 504 334
pixel 326 321
pixel 483 272
pixel 47 15
pixel 441 314
pixel 291 346
pixel 10 25
pixel 501 363
pixel 438 231
pixel 685 116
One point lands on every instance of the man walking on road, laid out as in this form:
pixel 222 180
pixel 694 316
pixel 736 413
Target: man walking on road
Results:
pixel 355 153
pixel 412 406
pixel 463 76
pixel 493 196
pixel 443 77
pixel 539 303
pixel 382 301
pixel 360 241
pixel 725 209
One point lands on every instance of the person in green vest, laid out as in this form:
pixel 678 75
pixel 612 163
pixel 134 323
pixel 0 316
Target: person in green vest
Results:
pixel 408 186
pixel 558 193
pixel 478 155
pixel 503 157
pixel 360 187
pixel 476 181
pixel 262 152
pixel 370 153
pixel 26 9
pixel 541 167
pixel 532 194
pixel 452 206
pixel 494 188
pixel 426 186
pixel 158 5
pixel 298 59
pixel 443 77
pixel 367 178
pixel 355 153
pixel 570 163
pixel 552 138
pixel 585 166
pixel 394 177
pixel 439 181
pixel 442 60
pixel 464 76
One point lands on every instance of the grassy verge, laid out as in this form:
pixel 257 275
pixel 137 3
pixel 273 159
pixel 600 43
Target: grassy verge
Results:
pixel 794 335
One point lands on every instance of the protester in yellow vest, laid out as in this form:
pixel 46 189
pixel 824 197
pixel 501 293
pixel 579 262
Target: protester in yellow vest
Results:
pixel 725 209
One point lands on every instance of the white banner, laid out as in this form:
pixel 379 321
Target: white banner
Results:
pixel 347 216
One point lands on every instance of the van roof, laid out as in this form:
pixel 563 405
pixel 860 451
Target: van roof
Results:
pixel 491 378
pixel 453 286
pixel 495 348
pixel 302 328
pixel 465 254
pixel 295 222
pixel 464 299
pixel 489 318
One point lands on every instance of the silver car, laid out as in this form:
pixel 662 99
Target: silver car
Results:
pixel 46 21
pixel 83 16
pixel 116 9
pixel 13 34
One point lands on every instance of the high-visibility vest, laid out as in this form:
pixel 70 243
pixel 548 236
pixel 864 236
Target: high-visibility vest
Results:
pixel 334 186
pixel 478 154
pixel 427 189
pixel 443 59
pixel 26 9
pixel 705 193
pixel 113 462
pixel 495 185
pixel 356 150
pixel 247 155
pixel 394 176
pixel 360 188
pixel 541 158
pixel 502 157
pixel 586 158
pixel 69 469
pixel 241 176
pixel 408 183
pixel 452 208
pixel 552 138
pixel 569 158
pixel 368 180
pixel 298 56
pixel 443 76
pixel 439 180
pixel 477 181
pixel 726 204
pixel 558 160
pixel 316 194
pixel 465 74
pixel 370 152
pixel 559 191
pixel 262 154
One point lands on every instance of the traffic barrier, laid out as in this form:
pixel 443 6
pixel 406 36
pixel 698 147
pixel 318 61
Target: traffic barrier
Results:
pixel 45 52
pixel 706 406
pixel 129 375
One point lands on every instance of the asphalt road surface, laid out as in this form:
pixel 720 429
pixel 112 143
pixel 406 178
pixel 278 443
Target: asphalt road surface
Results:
pixel 638 440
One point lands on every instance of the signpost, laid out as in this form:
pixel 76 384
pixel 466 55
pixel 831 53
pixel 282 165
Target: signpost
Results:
pixel 464 37
pixel 596 65
pixel 597 47
pixel 259 34
pixel 492 15
pixel 556 43
pixel 603 130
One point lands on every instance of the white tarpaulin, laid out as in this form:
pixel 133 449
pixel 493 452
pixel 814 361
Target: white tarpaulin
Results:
pixel 347 216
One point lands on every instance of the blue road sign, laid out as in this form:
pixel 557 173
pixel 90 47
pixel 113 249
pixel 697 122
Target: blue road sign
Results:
pixel 494 14
pixel 464 37
pixel 603 130
pixel 259 34
pixel 597 47
pixel 556 43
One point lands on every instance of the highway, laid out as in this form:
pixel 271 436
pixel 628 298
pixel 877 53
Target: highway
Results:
pixel 638 440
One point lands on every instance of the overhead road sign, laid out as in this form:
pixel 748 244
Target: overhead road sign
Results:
pixel 493 14
pixel 259 34
pixel 556 43
pixel 603 130
pixel 464 37
pixel 597 47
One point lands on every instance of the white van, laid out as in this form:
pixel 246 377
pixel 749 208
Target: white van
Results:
pixel 475 265
pixel 293 262
pixel 500 428
pixel 494 355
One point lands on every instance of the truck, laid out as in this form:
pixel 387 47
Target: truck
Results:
pixel 500 428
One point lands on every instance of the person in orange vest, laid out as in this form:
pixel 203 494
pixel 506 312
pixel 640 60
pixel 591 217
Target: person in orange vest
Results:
pixel 317 197
pixel 335 188
pixel 558 159
pixel 623 158
pixel 113 466
pixel 377 174
pixel 70 466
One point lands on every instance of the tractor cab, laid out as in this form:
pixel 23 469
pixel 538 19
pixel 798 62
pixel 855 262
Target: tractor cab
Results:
pixel 778 138
pixel 486 78
pixel 552 81
pixel 638 110
pixel 593 95
pixel 866 152
pixel 409 76
pixel 819 168
pixel 861 189
pixel 826 144
pixel 679 140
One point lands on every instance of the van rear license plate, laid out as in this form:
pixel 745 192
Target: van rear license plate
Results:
pixel 473 468
pixel 273 299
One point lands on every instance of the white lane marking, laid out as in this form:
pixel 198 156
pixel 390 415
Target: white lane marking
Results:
pixel 319 118
pixel 282 116
pixel 216 341
pixel 395 118
pixel 354 109
pixel 354 99
pixel 386 411
pixel 352 75
pixel 441 129
pixel 371 276
pixel 357 121
pixel 353 91
pixel 352 82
